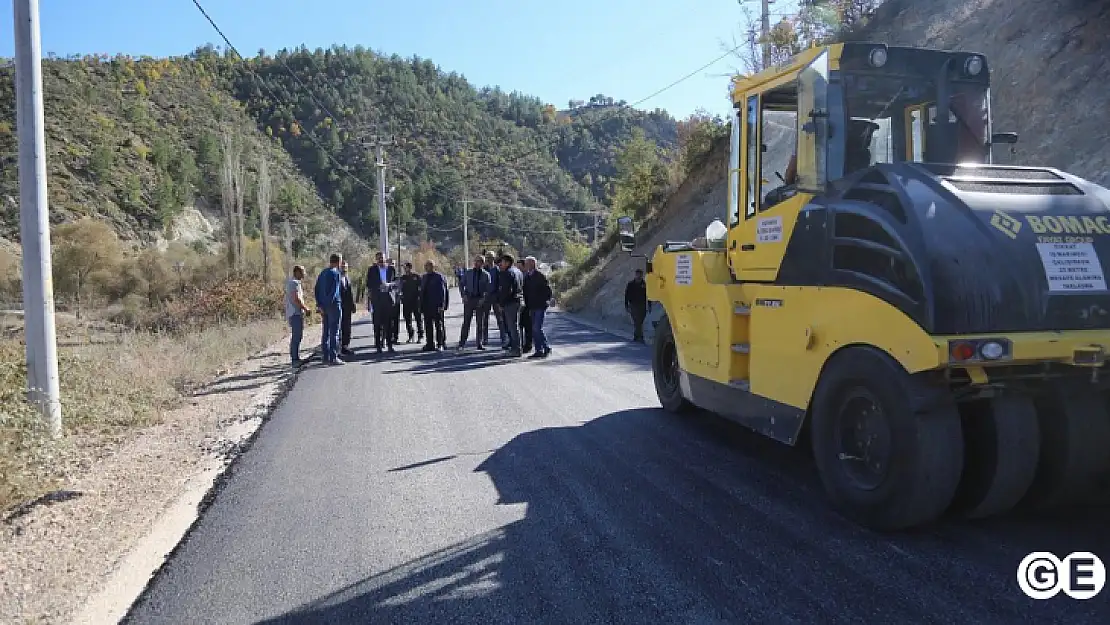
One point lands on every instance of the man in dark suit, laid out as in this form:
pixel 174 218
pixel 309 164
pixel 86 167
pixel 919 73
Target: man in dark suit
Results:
pixel 475 286
pixel 347 294
pixel 382 298
pixel 434 300
pixel 525 316
pixel 537 296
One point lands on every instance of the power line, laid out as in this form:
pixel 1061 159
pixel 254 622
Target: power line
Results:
pixel 270 92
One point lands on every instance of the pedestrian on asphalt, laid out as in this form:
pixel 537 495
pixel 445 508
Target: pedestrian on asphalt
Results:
pixel 434 301
pixel 509 297
pixel 637 304
pixel 475 287
pixel 537 296
pixel 490 305
pixel 396 324
pixel 295 312
pixel 347 294
pixel 381 300
pixel 525 316
pixel 330 302
pixel 460 274
pixel 410 300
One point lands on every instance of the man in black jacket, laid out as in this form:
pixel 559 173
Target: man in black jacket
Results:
pixel 347 295
pixel 510 293
pixel 525 316
pixel 637 304
pixel 537 295
pixel 410 302
pixel 434 299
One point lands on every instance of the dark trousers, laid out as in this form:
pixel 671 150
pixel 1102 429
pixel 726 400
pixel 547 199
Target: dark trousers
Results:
pixel 396 322
pixel 412 310
pixel 510 315
pixel 329 348
pixel 434 329
pixel 639 313
pixel 345 328
pixel 538 335
pixel 483 314
pixel 472 307
pixel 383 328
pixel 525 329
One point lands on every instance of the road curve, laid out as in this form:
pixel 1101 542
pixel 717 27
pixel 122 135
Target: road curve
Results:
pixel 471 488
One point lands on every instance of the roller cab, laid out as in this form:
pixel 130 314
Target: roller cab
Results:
pixel 933 325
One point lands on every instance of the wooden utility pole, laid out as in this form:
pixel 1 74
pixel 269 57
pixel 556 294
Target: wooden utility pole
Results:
pixel 264 215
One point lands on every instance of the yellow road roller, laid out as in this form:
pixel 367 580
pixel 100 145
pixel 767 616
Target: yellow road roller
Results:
pixel 932 323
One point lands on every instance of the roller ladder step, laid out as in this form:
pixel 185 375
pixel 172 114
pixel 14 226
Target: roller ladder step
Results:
pixel 742 348
pixel 743 385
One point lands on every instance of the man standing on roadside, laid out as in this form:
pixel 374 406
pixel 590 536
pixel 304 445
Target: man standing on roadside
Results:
pixel 382 300
pixel 295 312
pixel 525 316
pixel 330 302
pixel 537 295
pixel 347 294
pixel 637 304
pixel 410 301
pixel 490 304
pixel 475 288
pixel 434 300
pixel 396 325
pixel 509 297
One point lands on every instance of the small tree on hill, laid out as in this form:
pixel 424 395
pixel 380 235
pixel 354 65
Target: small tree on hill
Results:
pixel 82 249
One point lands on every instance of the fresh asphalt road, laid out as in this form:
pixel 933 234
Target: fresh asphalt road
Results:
pixel 473 488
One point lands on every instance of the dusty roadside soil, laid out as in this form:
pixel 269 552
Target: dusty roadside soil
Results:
pixel 59 554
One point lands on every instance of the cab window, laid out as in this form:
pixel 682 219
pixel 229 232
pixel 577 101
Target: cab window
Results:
pixel 779 136
pixel 751 131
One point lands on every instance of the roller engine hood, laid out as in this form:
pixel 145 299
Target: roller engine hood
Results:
pixel 985 248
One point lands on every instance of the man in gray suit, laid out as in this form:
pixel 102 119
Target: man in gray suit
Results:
pixel 475 288
pixel 382 289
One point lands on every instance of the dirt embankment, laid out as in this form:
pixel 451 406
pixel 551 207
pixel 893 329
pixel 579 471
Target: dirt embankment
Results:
pixel 701 198
pixel 1050 61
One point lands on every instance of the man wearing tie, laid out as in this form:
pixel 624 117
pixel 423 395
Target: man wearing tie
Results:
pixel 347 294
pixel 382 300
pixel 475 286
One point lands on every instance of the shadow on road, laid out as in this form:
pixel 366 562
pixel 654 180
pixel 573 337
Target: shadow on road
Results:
pixel 643 517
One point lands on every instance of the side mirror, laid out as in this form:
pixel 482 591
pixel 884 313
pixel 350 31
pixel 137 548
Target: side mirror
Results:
pixel 1004 137
pixel 627 233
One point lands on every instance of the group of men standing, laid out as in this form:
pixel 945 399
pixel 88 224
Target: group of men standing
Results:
pixel 516 293
pixel 422 298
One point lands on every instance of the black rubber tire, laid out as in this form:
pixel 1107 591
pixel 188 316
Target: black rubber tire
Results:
pixel 1002 441
pixel 926 442
pixel 1075 446
pixel 668 391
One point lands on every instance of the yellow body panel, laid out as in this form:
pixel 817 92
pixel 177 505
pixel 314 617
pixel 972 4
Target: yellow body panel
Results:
pixel 791 332
pixel 758 244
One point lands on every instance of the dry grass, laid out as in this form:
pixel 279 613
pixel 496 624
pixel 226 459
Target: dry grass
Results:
pixel 112 383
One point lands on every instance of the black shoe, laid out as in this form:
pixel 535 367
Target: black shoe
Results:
pixel 480 348
pixel 428 348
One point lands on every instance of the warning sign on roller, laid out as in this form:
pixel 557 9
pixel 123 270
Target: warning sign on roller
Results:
pixel 1072 267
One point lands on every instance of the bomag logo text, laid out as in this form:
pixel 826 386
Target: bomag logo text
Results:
pixel 1071 224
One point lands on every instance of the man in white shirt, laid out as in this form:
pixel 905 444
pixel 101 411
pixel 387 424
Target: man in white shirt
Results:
pixel 295 311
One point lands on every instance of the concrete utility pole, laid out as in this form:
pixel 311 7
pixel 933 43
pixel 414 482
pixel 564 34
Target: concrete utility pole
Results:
pixel 383 220
pixel 767 33
pixel 597 229
pixel 466 237
pixel 34 223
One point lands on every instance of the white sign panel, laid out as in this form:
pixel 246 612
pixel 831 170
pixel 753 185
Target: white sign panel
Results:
pixel 684 270
pixel 1072 267
pixel 769 230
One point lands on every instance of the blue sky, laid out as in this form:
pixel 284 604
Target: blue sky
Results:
pixel 557 51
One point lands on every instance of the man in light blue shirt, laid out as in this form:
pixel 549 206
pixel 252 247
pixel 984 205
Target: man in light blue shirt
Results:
pixel 330 301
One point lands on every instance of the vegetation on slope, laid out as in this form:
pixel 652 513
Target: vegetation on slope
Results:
pixel 135 142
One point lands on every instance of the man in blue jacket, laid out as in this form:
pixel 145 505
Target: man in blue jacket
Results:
pixel 330 302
